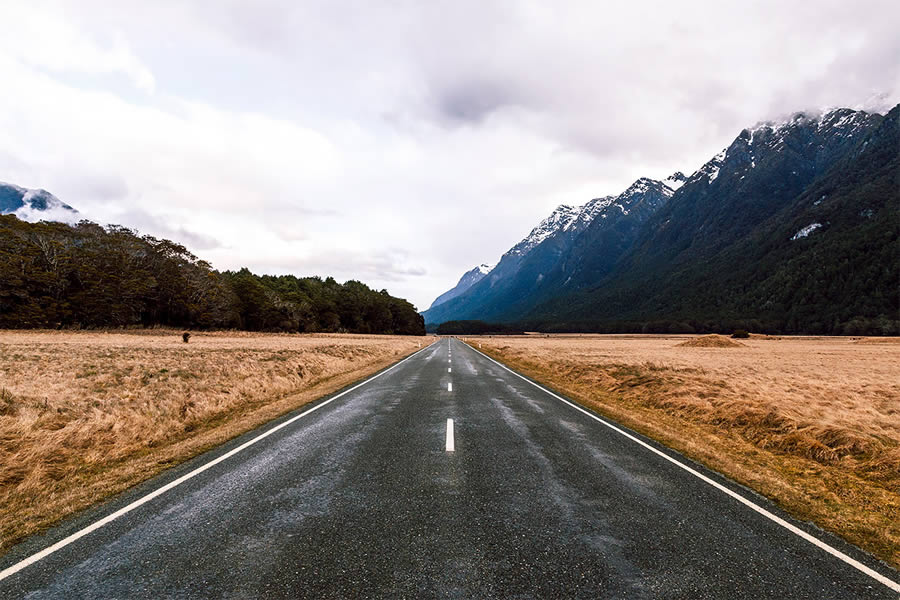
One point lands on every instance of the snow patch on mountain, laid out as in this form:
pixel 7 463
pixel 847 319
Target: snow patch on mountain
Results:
pixel 845 121
pixel 563 218
pixel 712 168
pixel 805 231
pixel 639 187
pixel 573 219
pixel 588 212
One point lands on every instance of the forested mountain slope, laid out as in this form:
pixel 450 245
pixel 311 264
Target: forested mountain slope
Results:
pixel 792 228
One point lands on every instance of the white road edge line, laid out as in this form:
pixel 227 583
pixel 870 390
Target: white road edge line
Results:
pixel 15 568
pixel 759 509
pixel 451 444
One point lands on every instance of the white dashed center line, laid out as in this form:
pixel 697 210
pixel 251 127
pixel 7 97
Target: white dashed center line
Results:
pixel 451 444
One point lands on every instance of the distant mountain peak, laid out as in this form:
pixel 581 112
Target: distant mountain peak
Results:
pixel 642 186
pixel 34 204
pixel 561 217
pixel 846 120
pixel 710 170
pixel 567 218
pixel 468 279
pixel 675 180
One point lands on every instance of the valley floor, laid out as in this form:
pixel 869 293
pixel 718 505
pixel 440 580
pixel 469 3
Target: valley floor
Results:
pixel 812 423
pixel 84 415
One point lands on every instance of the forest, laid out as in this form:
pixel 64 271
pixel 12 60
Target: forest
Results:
pixel 54 275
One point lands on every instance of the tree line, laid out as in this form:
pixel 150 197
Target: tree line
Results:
pixel 54 275
pixel 475 327
pixel 857 326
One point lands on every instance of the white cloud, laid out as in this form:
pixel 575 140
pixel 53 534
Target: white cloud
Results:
pixel 320 137
pixel 39 34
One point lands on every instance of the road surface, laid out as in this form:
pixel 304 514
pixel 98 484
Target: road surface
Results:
pixel 447 476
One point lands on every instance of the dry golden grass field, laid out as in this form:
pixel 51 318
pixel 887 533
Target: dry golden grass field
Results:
pixel 812 423
pixel 86 415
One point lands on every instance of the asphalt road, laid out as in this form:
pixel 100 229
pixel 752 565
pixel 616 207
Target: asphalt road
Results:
pixel 362 499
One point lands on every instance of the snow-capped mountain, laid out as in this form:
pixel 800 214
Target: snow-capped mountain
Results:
pixel 752 231
pixel 34 205
pixel 575 219
pixel 799 133
pixel 748 233
pixel 535 264
pixel 468 279
pixel 564 218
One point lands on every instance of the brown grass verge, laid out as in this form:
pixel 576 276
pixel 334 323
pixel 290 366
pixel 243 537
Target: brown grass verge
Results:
pixel 811 423
pixel 84 415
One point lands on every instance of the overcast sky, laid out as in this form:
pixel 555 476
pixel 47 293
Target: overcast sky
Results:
pixel 401 142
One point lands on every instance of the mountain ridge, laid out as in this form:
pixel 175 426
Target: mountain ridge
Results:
pixel 681 252
pixel 519 277
pixel 468 279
